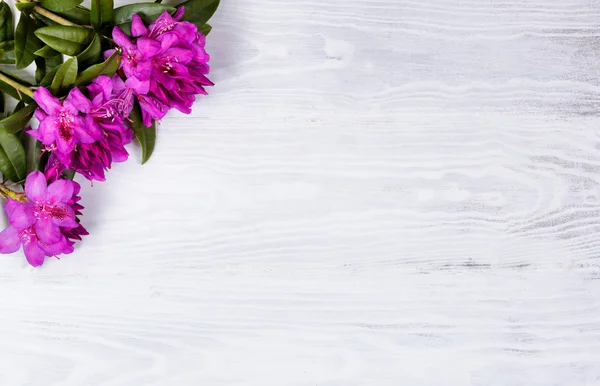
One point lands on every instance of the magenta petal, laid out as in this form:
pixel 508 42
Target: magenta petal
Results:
pixel 22 217
pixel 46 132
pixel 64 217
pixel 148 47
pixel 120 38
pixel 49 103
pixel 10 206
pixel 179 14
pixel 59 191
pixel 35 186
pixel 137 26
pixel 77 99
pixel 140 87
pixel 59 248
pixel 47 231
pixel 9 240
pixel 34 254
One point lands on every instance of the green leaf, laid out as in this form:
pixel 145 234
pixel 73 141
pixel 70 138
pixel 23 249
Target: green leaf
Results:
pixel 13 161
pixel 10 90
pixel 109 67
pixel 205 29
pixel 147 11
pixel 60 5
pixel 65 76
pixel 47 81
pixel 69 174
pixel 146 136
pixel 40 69
pixel 7 27
pixel 78 15
pixel 25 8
pixel 2 104
pixel 34 154
pixel 17 121
pixel 43 19
pixel 26 42
pixel 102 13
pixel 92 54
pixel 9 52
pixel 46 52
pixel 68 40
pixel 199 11
pixel 7 46
pixel 53 62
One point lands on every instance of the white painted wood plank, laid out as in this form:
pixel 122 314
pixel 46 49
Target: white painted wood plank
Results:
pixel 378 193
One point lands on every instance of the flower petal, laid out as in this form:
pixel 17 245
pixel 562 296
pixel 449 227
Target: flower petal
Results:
pixel 64 216
pixel 49 103
pixel 10 206
pixel 59 248
pixel 137 26
pixel 148 47
pixel 77 99
pixel 140 87
pixel 34 254
pixel 47 231
pixel 9 240
pixel 36 187
pixel 120 38
pixel 22 217
pixel 59 191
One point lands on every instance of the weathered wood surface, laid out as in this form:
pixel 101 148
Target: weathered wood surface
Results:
pixel 375 193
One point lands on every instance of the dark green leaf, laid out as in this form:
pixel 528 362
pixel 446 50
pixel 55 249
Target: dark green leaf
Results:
pixel 13 162
pixel 205 29
pixel 20 106
pixel 47 81
pixel 26 42
pixel 11 90
pixel 78 15
pixel 17 121
pixel 2 107
pixel 146 136
pixel 7 27
pixel 109 67
pixel 8 45
pixel 69 174
pixel 40 69
pixel 65 77
pixel 199 11
pixel 147 11
pixel 46 52
pixel 33 149
pixel 102 13
pixel 53 62
pixel 60 5
pixel 8 58
pixel 68 40
pixel 9 52
pixel 92 54
pixel 43 19
pixel 25 8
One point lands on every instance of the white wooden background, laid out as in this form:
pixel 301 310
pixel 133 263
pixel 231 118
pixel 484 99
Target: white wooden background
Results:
pixel 377 193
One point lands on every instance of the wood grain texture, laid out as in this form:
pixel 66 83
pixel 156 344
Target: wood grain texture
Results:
pixel 375 193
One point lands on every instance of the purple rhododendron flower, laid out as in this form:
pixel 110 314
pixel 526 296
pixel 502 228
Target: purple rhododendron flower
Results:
pixel 62 125
pixel 169 55
pixel 45 224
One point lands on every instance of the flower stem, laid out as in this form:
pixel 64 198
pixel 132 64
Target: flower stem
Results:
pixel 52 16
pixel 21 89
pixel 7 193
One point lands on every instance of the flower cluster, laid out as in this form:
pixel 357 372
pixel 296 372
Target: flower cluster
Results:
pixel 163 66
